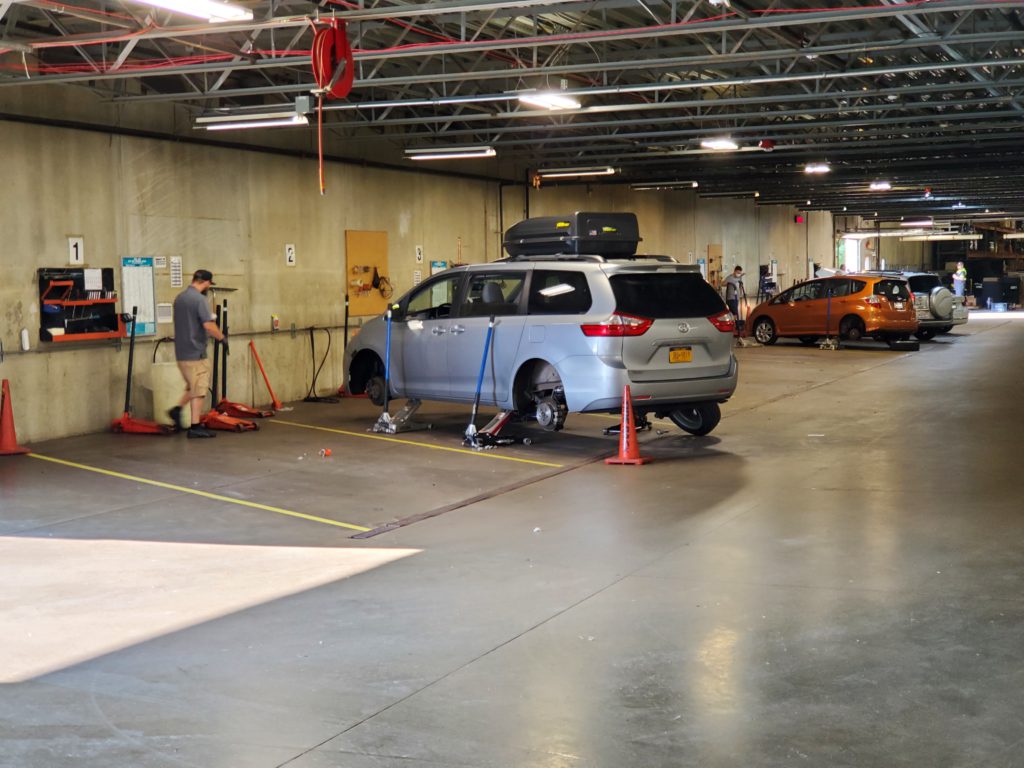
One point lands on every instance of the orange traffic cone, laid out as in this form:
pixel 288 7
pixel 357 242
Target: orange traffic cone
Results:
pixel 629 450
pixel 8 442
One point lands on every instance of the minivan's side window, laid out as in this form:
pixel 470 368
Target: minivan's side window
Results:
pixel 493 293
pixel 559 292
pixel 434 299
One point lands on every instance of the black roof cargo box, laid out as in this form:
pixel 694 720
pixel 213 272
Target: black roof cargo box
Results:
pixel 597 234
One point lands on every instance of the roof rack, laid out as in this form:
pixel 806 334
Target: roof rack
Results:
pixel 591 257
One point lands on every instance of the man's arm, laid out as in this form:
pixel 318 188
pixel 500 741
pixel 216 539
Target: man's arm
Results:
pixel 213 330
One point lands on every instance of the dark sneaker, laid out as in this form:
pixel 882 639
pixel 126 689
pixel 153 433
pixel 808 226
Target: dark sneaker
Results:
pixel 201 432
pixel 175 414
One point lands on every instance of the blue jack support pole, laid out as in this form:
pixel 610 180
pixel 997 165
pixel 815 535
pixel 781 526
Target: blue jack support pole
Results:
pixel 471 429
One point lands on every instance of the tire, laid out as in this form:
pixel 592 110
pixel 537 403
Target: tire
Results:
pixel 375 389
pixel 926 334
pixel 764 332
pixel 697 418
pixel 946 329
pixel 940 301
pixel 808 340
pixel 851 329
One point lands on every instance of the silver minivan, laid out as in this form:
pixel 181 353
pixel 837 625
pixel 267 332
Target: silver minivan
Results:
pixel 570 331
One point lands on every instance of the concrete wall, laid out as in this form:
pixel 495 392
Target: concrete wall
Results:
pixel 229 211
pixel 232 211
pixel 682 224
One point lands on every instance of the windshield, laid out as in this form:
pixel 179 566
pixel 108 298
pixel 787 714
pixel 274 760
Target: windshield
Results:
pixel 665 294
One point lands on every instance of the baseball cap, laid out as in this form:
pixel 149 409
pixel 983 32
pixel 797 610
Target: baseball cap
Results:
pixel 202 275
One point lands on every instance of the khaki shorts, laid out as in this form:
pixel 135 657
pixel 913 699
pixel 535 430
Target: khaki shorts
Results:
pixel 197 376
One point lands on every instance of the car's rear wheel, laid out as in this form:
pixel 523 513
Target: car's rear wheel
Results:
pixel 764 332
pixel 375 388
pixel 808 340
pixel 851 329
pixel 926 334
pixel 697 418
pixel 946 329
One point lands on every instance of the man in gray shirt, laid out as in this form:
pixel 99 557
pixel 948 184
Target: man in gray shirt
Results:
pixel 734 291
pixel 193 323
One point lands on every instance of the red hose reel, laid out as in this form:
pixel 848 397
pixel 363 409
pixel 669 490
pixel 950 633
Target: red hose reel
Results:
pixel 333 64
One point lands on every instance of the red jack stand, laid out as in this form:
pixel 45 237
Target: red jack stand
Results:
pixel 217 418
pixel 225 406
pixel 128 423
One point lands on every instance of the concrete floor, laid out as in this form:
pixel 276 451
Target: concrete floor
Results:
pixel 833 578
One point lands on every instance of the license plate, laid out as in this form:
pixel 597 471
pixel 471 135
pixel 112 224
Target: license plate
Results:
pixel 680 355
pixel 898 305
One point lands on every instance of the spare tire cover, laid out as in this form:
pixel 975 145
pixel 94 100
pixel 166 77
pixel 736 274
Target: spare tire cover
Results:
pixel 941 300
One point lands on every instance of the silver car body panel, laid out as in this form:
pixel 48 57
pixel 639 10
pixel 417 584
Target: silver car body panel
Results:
pixel 439 358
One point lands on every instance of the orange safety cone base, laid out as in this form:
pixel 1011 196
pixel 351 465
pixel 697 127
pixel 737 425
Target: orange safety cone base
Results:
pixel 8 441
pixel 629 450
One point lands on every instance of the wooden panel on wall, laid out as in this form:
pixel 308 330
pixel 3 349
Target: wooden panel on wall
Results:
pixel 364 253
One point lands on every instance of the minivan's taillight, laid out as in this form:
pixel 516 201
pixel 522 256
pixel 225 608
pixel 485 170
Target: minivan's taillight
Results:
pixel 725 322
pixel 619 324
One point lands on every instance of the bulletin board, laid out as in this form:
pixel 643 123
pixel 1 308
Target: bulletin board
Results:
pixel 365 252
pixel 715 264
pixel 137 291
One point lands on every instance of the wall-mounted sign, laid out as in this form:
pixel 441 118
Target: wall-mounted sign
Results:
pixel 76 251
pixel 289 255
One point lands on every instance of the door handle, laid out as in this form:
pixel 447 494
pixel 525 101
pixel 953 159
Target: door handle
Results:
pixel 438 331
pixel 457 329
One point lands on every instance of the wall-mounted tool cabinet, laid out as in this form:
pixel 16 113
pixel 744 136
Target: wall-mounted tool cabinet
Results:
pixel 78 305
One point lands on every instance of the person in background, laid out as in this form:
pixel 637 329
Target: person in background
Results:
pixel 959 279
pixel 194 323
pixel 734 291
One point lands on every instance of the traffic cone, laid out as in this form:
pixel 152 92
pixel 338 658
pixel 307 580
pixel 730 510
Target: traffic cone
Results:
pixel 629 450
pixel 8 442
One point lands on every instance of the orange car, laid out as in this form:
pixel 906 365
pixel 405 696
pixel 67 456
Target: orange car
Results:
pixel 852 306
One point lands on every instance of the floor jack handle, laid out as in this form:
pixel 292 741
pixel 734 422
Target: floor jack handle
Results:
pixel 224 354
pixel 131 363
pixel 273 398
pixel 387 361
pixel 471 429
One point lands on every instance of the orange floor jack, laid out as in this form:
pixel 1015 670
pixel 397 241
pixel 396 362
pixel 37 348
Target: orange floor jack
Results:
pixel 225 406
pixel 128 423
pixel 215 419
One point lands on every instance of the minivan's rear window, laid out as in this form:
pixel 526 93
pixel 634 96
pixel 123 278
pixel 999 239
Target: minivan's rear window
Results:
pixel 665 294
pixel 923 283
pixel 894 290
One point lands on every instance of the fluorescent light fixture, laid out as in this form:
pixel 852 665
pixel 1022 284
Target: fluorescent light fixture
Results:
pixel 566 173
pixel 252 120
pixel 549 100
pixel 655 185
pixel 880 186
pixel 933 238
pixel 1014 236
pixel 817 168
pixel 917 223
pixel 720 144
pixel 210 10
pixel 450 153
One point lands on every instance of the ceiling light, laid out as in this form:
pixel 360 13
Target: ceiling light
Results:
pixel 917 223
pixel 817 168
pixel 880 186
pixel 719 3
pixel 210 10
pixel 549 100
pixel 251 120
pixel 933 238
pixel 1014 236
pixel 757 194
pixel 652 185
pixel 565 173
pixel 450 153
pixel 720 144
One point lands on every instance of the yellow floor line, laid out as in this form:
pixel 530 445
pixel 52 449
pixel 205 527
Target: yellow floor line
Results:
pixel 194 492
pixel 467 451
